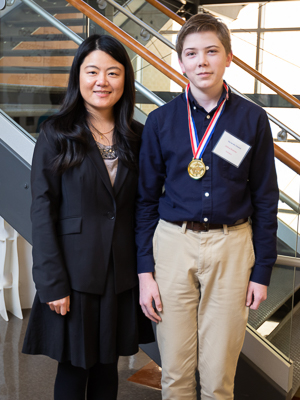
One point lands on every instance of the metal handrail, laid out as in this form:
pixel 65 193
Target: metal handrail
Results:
pixel 271 118
pixel 150 95
pixel 289 201
pixel 78 40
pixel 288 261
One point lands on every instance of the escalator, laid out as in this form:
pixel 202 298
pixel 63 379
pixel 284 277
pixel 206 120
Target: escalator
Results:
pixel 34 66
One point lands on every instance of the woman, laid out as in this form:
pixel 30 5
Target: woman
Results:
pixel 84 178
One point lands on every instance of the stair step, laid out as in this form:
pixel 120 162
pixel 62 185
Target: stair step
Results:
pixel 280 290
pixel 59 80
pixel 39 53
pixel 21 110
pixel 4 87
pixel 37 38
pixel 53 9
pixel 50 3
pixel 50 45
pixel 40 22
pixel 31 96
pixel 34 70
pixel 280 338
pixel 51 30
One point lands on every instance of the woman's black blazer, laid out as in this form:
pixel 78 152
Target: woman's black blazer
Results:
pixel 79 221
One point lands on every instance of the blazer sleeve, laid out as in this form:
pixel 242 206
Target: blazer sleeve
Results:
pixel 49 271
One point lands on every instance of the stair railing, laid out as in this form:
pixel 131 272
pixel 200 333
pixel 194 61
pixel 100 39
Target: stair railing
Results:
pixel 77 39
pixel 160 37
pixel 146 54
pixel 289 201
pixel 257 75
pixel 126 39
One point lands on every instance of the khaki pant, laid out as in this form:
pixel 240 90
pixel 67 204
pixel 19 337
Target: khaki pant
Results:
pixel 202 279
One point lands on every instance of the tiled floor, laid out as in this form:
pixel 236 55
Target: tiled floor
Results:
pixel 24 377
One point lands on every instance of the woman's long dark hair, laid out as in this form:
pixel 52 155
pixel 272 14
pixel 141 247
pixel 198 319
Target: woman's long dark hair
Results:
pixel 70 126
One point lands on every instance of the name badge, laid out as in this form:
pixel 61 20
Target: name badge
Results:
pixel 231 149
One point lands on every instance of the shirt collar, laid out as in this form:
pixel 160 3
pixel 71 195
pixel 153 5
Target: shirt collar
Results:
pixel 194 103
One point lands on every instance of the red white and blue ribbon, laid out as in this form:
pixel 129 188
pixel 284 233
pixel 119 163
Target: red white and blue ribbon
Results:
pixel 199 148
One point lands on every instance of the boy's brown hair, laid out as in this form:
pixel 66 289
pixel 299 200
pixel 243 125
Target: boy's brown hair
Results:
pixel 204 23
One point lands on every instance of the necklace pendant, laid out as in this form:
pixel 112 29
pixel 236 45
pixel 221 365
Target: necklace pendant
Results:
pixel 196 169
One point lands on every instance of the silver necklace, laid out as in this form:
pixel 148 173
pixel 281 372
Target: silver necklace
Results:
pixel 107 152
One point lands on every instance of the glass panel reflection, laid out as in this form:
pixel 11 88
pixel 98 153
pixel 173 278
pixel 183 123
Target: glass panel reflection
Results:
pixel 274 319
pixel 35 63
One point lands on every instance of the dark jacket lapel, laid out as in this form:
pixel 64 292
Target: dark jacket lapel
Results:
pixel 120 178
pixel 95 156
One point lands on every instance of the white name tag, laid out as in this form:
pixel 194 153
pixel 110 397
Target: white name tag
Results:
pixel 231 149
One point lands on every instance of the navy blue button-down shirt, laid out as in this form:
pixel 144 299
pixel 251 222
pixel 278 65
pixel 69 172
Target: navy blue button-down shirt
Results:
pixel 225 194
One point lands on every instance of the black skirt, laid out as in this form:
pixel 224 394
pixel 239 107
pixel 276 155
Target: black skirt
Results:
pixel 98 328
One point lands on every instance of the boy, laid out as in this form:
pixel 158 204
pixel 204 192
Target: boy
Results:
pixel 213 153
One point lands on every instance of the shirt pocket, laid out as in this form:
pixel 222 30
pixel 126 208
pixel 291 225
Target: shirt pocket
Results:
pixel 69 226
pixel 233 173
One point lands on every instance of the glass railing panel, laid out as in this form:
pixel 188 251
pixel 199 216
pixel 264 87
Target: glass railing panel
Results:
pixel 285 337
pixel 244 39
pixel 35 63
pixel 274 319
pixel 35 67
pixel 144 12
pixel 237 77
pixel 266 41
pixel 285 128
pixel 145 73
pixel 276 313
pixel 279 62
pixel 154 80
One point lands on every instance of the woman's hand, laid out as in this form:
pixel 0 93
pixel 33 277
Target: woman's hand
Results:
pixel 61 306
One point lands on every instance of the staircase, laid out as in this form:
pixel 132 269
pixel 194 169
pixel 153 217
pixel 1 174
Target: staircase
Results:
pixel 34 66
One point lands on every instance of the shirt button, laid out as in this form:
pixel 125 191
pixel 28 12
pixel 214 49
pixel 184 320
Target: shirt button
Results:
pixel 207 167
pixel 206 194
pixel 205 219
pixel 195 108
pixel 110 215
pixel 208 116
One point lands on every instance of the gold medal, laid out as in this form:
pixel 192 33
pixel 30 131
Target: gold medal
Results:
pixel 196 169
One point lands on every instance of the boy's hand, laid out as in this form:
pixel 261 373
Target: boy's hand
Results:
pixel 256 294
pixel 149 292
